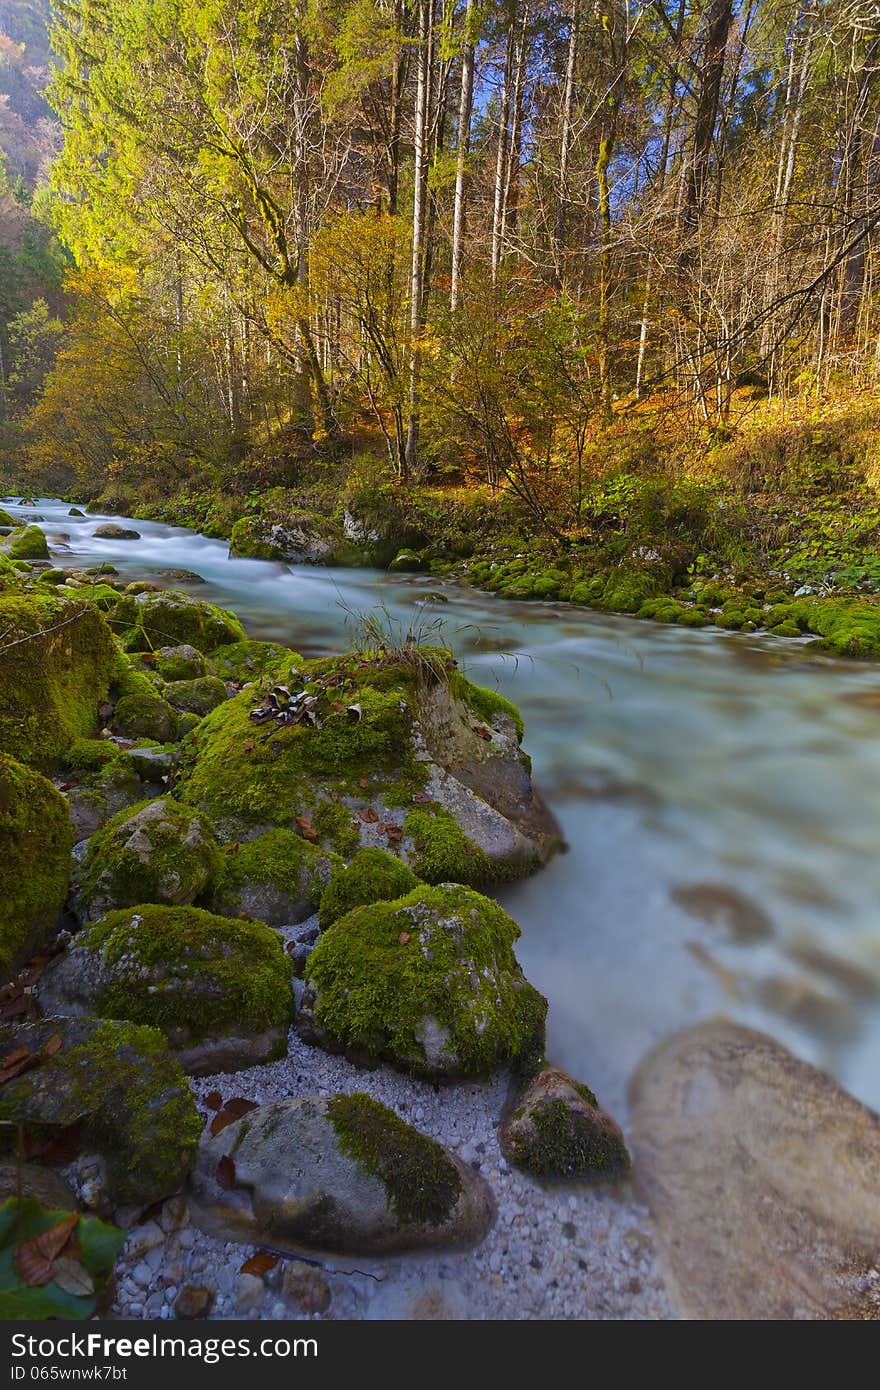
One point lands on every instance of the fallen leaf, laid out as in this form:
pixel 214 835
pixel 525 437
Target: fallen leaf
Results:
pixel 238 1106
pixel 72 1277
pixel 421 797
pixel 33 1258
pixel 220 1122
pixel 370 814
pixel 53 1045
pixel 363 783
pixel 259 1264
pixel 226 1173
pixel 213 1100
pixel 404 937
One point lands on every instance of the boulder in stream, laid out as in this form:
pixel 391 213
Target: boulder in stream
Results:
pixel 762 1175
pixel 555 1129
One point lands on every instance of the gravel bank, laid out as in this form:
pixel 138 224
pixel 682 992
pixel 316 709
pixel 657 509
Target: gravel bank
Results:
pixel 565 1252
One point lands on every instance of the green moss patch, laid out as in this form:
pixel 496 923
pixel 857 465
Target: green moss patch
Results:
pixel 420 1179
pixel 36 837
pixel 373 876
pixel 145 622
pixel 57 660
pixel 281 871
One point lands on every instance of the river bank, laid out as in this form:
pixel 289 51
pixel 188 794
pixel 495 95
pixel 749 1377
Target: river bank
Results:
pixel 604 923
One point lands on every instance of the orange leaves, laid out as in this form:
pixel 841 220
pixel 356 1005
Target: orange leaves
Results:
pixel 21 1059
pixel 259 1264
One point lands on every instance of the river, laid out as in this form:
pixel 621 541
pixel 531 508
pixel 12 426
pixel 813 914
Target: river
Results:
pixel 695 774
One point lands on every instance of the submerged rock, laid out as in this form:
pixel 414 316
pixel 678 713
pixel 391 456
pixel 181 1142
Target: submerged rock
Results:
pixel 762 1175
pixel 36 839
pixel 556 1129
pixel 400 753
pixel 344 1175
pixel 429 983
pixel 219 989
pixel 57 666
pixel 158 852
pixel 120 1085
pixel 110 531
pixel 278 878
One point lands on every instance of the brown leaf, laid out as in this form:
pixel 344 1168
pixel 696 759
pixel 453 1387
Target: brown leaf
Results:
pixel 213 1100
pixel 33 1258
pixel 226 1173
pixel 53 1045
pixel 370 814
pixel 12 1059
pixel 220 1121
pixel 233 849
pixel 394 832
pixel 72 1277
pixel 248 745
pixel 238 1106
pixel 421 797
pixel 259 1264
pixel 419 843
pixel 306 829
pixel 404 937
pixel 363 783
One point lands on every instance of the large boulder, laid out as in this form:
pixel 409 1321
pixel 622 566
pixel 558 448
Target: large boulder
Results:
pixel 118 1084
pixel 219 989
pixel 28 543
pixel 762 1175
pixel 301 537
pixel 343 1174
pixel 556 1129
pixel 395 750
pixel 429 983
pixel 36 838
pixel 278 878
pixel 111 531
pixel 147 621
pixel 158 852
pixel 57 660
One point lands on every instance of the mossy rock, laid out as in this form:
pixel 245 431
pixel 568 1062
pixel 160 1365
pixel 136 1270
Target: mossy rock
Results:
pixel 158 851
pixel 183 663
pixel 6 519
pixel 240 662
pixel 52 576
pixel 220 989
pixel 28 543
pixel 429 983
pixel 108 781
pixel 626 590
pixel 786 629
pixel 343 1174
pixel 373 876
pixel 278 878
pixel 36 837
pixel 8 573
pixel 120 1083
pixel 662 610
pixel 847 627
pixel 392 739
pixel 145 622
pixel 51 683
pixel 197 696
pixel 556 1129
pixel 406 560
pixel 139 709
pixel 297 536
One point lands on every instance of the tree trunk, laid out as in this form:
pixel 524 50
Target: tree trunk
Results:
pixel 465 108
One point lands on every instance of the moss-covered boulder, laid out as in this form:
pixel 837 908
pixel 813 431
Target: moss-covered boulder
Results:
pixel 300 537
pixel 400 752
pixel 406 560
pixel 241 662
pixel 556 1129
pixel 57 660
pixel 344 1174
pixel 429 983
pixel 120 1085
pixel 145 622
pixel 6 519
pixel 277 878
pixel 108 779
pixel 36 838
pixel 140 711
pixel 197 696
pixel 28 543
pixel 218 988
pixel 373 876
pixel 157 852
pixel 181 663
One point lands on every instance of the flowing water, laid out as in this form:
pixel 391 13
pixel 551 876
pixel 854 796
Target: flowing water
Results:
pixel 719 794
